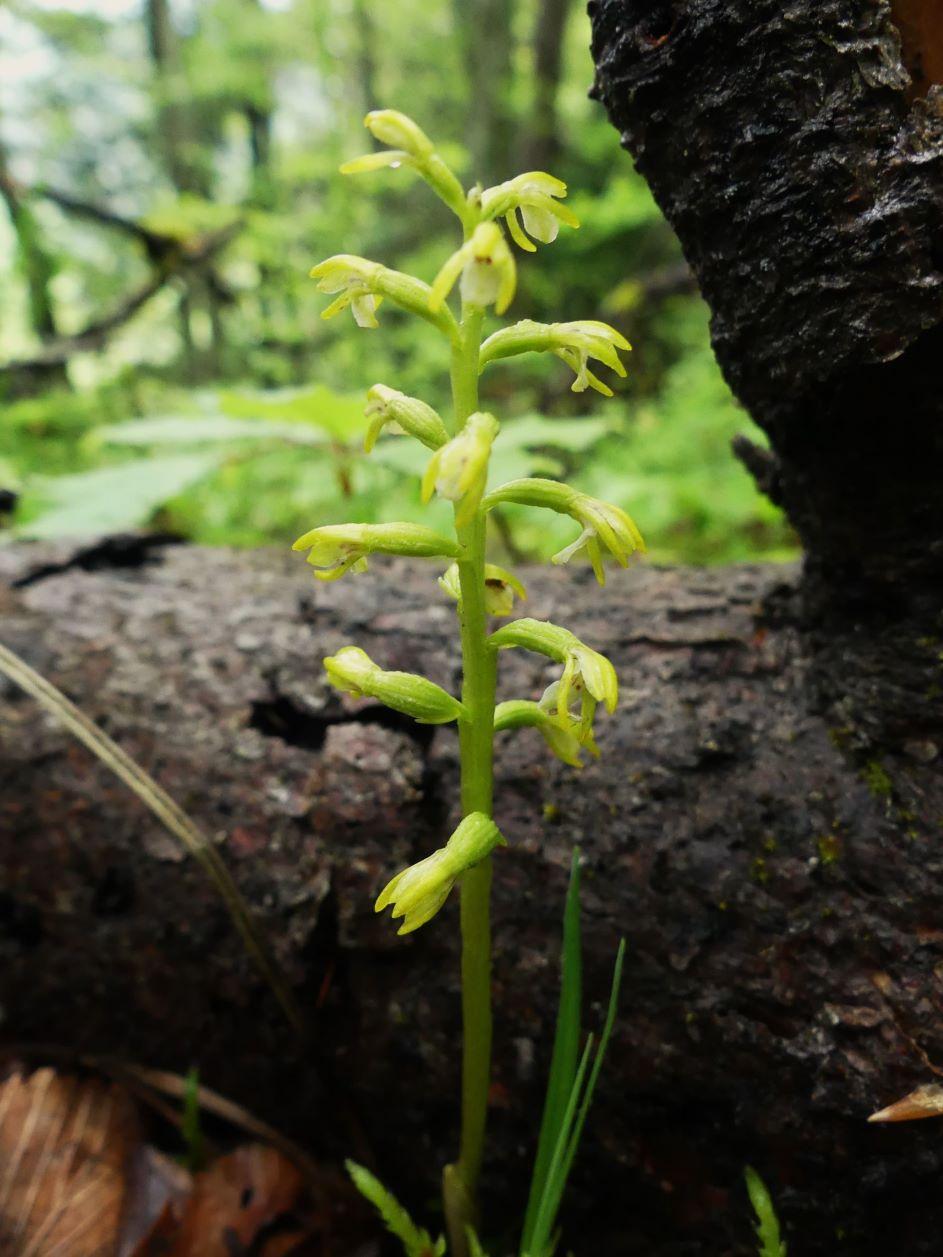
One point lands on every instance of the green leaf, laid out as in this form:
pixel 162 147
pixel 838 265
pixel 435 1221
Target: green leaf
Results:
pixel 416 1242
pixel 767 1224
pixel 532 431
pixel 200 429
pixel 110 499
pixel 339 414
pixel 563 1062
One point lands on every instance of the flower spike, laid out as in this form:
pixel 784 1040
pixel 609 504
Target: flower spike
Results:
pixel 533 195
pixel 418 892
pixel 459 470
pixel 487 268
pixel 575 343
pixel 352 671
pixel 338 548
pixel 603 524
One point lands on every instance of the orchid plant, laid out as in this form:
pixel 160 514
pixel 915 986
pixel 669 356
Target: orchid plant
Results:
pixel 484 269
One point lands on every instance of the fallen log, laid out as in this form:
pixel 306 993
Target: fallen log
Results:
pixel 780 895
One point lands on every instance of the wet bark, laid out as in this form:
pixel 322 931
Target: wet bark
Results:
pixel 780 894
pixel 797 149
pixel 801 165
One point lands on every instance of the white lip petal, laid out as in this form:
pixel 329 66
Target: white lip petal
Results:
pixel 540 224
pixel 364 307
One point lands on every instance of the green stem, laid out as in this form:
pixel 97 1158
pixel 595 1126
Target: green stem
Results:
pixel 476 735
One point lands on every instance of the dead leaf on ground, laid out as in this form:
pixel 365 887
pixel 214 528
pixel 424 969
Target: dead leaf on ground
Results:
pixel 66 1147
pixel 926 1101
pixel 232 1204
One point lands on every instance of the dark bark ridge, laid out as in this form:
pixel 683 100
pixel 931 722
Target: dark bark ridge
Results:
pixel 804 177
pixel 783 945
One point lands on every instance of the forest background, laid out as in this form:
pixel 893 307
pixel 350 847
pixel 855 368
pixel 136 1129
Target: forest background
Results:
pixel 169 170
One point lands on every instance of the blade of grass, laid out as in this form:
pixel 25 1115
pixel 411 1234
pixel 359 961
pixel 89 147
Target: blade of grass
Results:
pixel 572 1126
pixel 597 1066
pixel 546 1214
pixel 163 807
pixel 565 1055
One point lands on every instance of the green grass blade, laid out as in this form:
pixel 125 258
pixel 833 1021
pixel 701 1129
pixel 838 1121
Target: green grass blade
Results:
pixel 767 1224
pixel 416 1242
pixel 474 1243
pixel 597 1064
pixel 563 1063
pixel 539 1245
pixel 572 1127
pixel 163 807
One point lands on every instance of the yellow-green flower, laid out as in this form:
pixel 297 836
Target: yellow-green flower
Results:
pixel 501 588
pixel 535 195
pixel 583 668
pixel 603 525
pixel 459 470
pixel 354 278
pixel 418 892
pixel 575 343
pixel 487 269
pixel 564 736
pixel 334 549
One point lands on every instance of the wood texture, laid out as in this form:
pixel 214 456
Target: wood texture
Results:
pixel 780 896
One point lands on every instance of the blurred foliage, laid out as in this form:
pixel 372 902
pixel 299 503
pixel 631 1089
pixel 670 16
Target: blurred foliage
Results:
pixel 200 414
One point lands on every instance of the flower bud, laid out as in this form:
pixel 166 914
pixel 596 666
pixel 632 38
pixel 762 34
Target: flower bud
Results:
pixel 386 406
pixel 418 892
pixel 352 671
pixel 459 470
pixel 398 131
pixel 337 548
pixel 410 146
pixel 487 268
pixel 500 588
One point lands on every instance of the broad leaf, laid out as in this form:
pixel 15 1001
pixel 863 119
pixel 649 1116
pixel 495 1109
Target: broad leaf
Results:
pixel 111 498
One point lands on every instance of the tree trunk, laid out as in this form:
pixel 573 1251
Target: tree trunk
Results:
pixel 38 272
pixel 797 150
pixel 174 125
pixel 485 30
pixel 805 180
pixel 783 938
pixel 543 142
